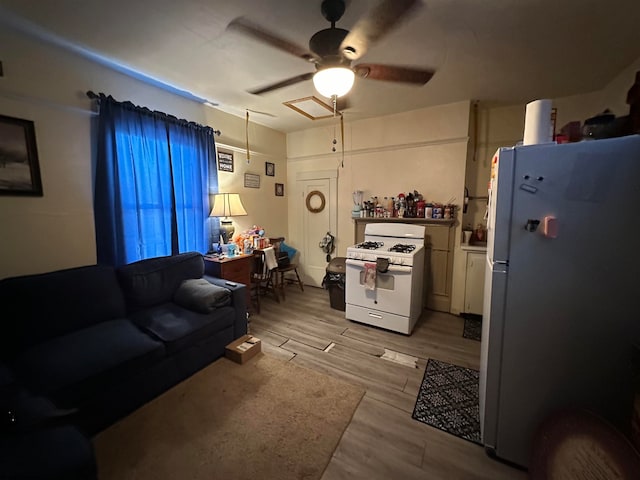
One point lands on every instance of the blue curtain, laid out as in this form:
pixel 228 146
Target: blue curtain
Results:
pixel 153 180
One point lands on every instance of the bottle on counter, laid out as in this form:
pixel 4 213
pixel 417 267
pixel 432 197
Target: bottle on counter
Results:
pixel 402 205
pixel 428 210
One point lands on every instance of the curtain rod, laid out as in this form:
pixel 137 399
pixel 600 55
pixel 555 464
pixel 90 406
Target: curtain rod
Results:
pixel 98 96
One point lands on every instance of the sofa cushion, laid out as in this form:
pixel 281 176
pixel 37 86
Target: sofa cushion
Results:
pixel 154 281
pixel 201 296
pixel 46 305
pixel 180 328
pixel 82 363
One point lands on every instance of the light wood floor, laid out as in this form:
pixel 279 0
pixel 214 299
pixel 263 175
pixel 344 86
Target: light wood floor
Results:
pixel 382 441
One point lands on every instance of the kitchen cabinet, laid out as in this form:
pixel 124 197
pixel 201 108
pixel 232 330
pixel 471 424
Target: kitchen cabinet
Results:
pixel 474 279
pixel 438 267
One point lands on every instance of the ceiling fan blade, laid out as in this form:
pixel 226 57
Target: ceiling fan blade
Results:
pixel 392 73
pixel 283 83
pixel 251 29
pixel 374 25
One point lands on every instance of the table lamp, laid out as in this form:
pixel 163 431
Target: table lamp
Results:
pixel 227 205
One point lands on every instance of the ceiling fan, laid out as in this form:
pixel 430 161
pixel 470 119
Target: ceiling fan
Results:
pixel 333 49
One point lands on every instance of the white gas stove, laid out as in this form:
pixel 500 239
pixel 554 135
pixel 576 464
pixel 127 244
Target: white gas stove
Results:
pixel 384 276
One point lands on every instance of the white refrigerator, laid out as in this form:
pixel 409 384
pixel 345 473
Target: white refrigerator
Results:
pixel 562 294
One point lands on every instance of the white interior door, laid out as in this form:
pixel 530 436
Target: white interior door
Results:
pixel 317 220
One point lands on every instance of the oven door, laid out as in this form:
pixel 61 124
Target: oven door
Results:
pixel 392 293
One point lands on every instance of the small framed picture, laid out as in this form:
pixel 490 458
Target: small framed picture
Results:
pixel 19 168
pixel 279 189
pixel 270 169
pixel 225 161
pixel 251 180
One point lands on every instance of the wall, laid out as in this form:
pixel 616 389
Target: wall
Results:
pixel 47 85
pixel 425 150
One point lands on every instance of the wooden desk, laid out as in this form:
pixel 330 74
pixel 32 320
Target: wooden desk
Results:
pixel 235 269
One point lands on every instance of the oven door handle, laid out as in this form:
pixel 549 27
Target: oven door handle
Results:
pixel 392 268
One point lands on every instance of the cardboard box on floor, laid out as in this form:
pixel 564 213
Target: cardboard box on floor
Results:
pixel 243 349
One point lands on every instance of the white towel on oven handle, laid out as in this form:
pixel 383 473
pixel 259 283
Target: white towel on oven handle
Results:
pixel 392 268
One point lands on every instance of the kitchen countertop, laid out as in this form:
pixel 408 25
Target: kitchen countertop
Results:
pixel 474 248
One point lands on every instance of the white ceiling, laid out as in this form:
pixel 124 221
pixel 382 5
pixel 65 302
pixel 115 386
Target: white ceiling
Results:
pixel 495 51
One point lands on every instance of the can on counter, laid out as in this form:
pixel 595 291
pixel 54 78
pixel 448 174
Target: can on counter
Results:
pixel 437 212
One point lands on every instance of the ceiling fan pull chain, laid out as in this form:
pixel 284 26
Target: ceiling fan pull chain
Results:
pixel 342 136
pixel 247 137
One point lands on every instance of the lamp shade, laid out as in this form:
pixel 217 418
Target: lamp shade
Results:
pixel 227 205
pixel 333 81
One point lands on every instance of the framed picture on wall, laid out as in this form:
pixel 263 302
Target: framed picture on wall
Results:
pixel 279 189
pixel 225 161
pixel 19 167
pixel 270 169
pixel 251 180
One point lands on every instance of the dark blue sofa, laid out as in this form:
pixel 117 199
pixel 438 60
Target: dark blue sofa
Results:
pixel 83 347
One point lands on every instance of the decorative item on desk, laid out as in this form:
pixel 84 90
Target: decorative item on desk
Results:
pixel 227 205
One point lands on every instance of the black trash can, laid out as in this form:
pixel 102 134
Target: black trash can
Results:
pixel 334 281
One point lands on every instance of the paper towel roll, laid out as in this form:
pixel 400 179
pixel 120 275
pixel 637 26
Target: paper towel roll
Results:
pixel 537 122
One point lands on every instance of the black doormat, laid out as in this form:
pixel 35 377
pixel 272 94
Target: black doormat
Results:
pixel 448 400
pixel 472 326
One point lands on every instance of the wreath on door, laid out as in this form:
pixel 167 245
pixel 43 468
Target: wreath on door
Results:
pixel 320 195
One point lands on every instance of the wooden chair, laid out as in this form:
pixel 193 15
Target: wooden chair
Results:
pixel 281 271
pixel 262 278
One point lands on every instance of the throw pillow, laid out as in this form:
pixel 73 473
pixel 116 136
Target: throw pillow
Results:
pixel 201 296
pixel 290 251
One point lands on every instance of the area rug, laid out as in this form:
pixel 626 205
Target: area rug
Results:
pixel 266 419
pixel 448 400
pixel 472 326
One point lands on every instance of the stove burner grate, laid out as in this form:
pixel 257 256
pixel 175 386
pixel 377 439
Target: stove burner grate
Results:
pixel 370 245
pixel 402 248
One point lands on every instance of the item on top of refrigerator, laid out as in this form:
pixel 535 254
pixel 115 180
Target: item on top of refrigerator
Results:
pixel 605 125
pixel 572 131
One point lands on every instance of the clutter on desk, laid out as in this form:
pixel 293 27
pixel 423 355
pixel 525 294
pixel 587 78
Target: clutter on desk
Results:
pixel 251 239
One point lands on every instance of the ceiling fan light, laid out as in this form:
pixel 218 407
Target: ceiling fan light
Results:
pixel 333 81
